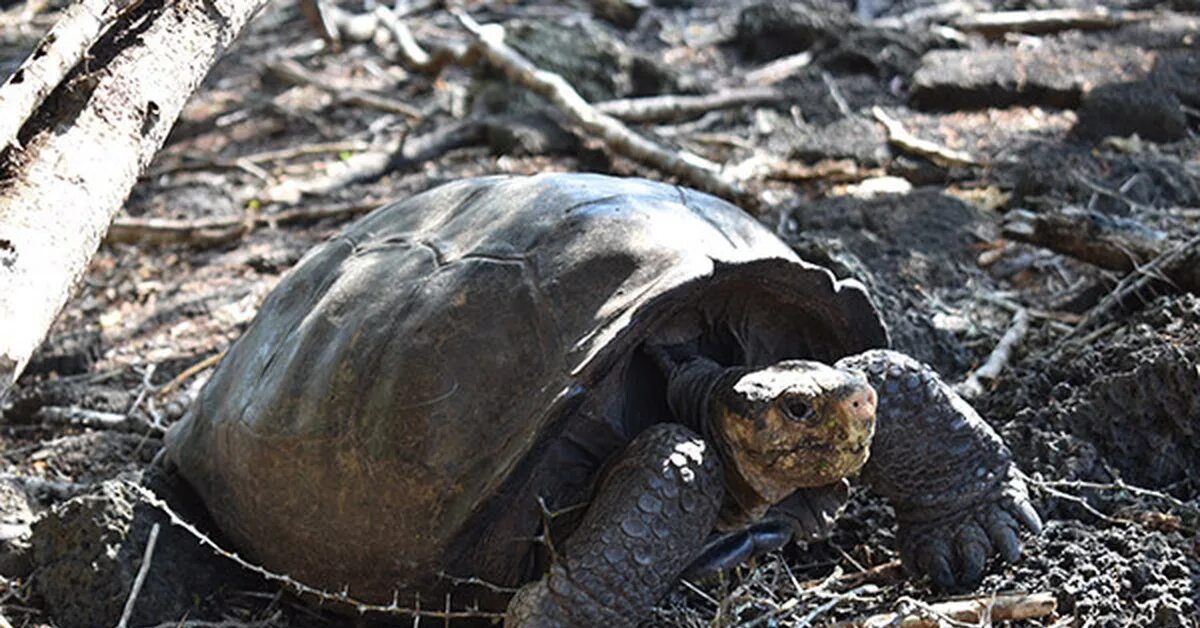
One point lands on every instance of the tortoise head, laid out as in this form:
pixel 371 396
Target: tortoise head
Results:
pixel 794 424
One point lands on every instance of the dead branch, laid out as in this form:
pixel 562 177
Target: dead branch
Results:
pixel 140 580
pixel 239 163
pixel 403 154
pixel 676 106
pixel 1049 489
pixel 209 232
pixel 60 50
pixel 203 233
pixel 1110 243
pixel 94 135
pixel 972 387
pixel 1178 266
pixel 762 165
pixel 189 373
pixel 779 69
pixel 691 168
pixel 908 142
pixel 412 55
pixel 363 166
pixel 999 23
pixel 974 611
pixel 72 415
pixel 889 572
pixel 1117 486
pixel 292 72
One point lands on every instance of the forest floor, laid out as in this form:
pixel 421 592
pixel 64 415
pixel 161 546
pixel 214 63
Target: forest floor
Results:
pixel 1053 191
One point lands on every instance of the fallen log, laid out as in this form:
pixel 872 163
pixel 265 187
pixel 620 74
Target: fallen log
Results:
pixel 59 51
pixel 82 150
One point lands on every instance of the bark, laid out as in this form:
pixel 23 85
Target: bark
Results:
pixel 84 148
pixel 62 49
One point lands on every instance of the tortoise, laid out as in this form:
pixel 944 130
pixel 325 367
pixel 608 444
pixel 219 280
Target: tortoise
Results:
pixel 583 386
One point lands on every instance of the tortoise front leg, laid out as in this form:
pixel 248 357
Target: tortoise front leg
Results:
pixel 658 502
pixel 958 496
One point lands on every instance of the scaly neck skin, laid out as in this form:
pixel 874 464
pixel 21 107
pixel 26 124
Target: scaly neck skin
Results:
pixel 693 390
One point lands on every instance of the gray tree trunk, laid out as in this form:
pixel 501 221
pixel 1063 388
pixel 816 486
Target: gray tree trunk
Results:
pixel 83 148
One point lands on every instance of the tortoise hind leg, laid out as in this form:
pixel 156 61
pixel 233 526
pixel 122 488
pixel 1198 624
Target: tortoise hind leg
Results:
pixel 658 502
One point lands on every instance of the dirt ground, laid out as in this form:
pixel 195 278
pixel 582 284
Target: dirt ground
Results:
pixel 1100 398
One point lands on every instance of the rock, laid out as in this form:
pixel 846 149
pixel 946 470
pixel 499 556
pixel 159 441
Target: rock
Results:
pixel 584 55
pixel 1122 109
pixel 599 66
pixel 15 519
pixel 909 249
pixel 1053 74
pixel 853 137
pixel 773 29
pixel 87 552
pixel 622 13
pixel 1178 72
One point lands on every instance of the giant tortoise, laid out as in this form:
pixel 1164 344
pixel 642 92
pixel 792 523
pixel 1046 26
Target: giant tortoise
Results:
pixel 582 386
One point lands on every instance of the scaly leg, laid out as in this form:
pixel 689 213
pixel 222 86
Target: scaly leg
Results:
pixel 658 502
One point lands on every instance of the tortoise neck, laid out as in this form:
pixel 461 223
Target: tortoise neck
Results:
pixel 694 391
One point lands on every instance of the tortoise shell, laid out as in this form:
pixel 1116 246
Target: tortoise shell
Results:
pixel 413 385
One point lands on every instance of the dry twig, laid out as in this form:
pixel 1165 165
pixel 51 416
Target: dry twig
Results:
pixel 412 55
pixel 675 106
pixel 341 597
pixel 1116 486
pixel 779 69
pixel 1182 260
pixel 140 579
pixel 968 612
pixel 93 419
pixel 207 232
pixel 762 165
pixel 1048 20
pixel 1107 242
pixel 972 386
pixel 189 373
pixel 293 72
pixel 906 141
pixel 254 159
pixel 691 168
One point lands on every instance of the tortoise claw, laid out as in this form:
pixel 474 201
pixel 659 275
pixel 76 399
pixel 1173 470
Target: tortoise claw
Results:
pixel 1002 530
pixel 1026 514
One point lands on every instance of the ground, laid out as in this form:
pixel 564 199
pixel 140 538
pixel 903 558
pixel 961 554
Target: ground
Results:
pixel 1099 398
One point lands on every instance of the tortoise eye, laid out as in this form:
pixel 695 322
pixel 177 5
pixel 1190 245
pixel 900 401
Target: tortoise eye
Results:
pixel 798 410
